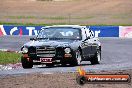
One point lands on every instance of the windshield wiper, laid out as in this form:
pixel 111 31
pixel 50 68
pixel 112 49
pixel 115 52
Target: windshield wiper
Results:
pixel 41 38
pixel 55 38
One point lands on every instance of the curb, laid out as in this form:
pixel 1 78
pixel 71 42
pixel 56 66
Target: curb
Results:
pixel 8 50
pixel 10 66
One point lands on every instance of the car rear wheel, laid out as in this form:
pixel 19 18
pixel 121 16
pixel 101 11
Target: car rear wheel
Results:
pixel 26 63
pixel 97 58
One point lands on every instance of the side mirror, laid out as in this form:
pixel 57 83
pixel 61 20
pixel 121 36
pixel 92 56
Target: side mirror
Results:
pixel 32 39
pixel 86 39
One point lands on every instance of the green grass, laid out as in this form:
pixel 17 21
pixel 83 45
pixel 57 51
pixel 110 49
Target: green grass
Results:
pixel 9 57
pixel 30 24
pixel 55 18
pixel 65 20
pixel 35 17
pixel 49 17
pixel 83 18
pixel 20 17
pixel 49 24
pixel 121 16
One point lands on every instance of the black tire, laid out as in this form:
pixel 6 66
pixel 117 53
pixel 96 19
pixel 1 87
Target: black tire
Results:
pixel 96 59
pixel 63 63
pixel 77 60
pixel 50 65
pixel 26 64
pixel 81 80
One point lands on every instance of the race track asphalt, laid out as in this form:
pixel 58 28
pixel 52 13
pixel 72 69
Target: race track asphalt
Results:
pixel 116 55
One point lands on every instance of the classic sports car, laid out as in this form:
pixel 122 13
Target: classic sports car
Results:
pixel 61 44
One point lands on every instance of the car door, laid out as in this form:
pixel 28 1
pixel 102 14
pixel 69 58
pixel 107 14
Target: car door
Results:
pixel 86 49
pixel 88 46
pixel 93 46
pixel 85 45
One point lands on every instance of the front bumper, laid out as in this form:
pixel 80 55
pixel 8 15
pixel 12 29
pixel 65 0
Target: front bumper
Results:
pixel 66 58
pixel 49 54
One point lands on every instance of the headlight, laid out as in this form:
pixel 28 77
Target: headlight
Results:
pixel 25 50
pixel 67 50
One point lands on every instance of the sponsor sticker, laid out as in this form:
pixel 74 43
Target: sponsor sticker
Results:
pixel 84 77
pixel 125 31
pixel 2 31
pixel 46 60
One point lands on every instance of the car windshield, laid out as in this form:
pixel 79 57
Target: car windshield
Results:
pixel 60 33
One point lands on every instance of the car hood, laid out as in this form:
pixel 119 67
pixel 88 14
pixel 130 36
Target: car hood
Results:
pixel 58 43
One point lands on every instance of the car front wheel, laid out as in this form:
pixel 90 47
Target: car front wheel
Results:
pixel 26 63
pixel 50 65
pixel 96 59
pixel 78 59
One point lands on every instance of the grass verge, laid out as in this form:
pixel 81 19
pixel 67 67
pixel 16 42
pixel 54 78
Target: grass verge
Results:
pixel 9 57
pixel 49 24
pixel 29 24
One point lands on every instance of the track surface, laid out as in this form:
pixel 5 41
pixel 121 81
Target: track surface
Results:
pixel 116 55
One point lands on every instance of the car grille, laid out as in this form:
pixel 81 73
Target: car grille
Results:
pixel 59 52
pixel 32 50
pixel 46 51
